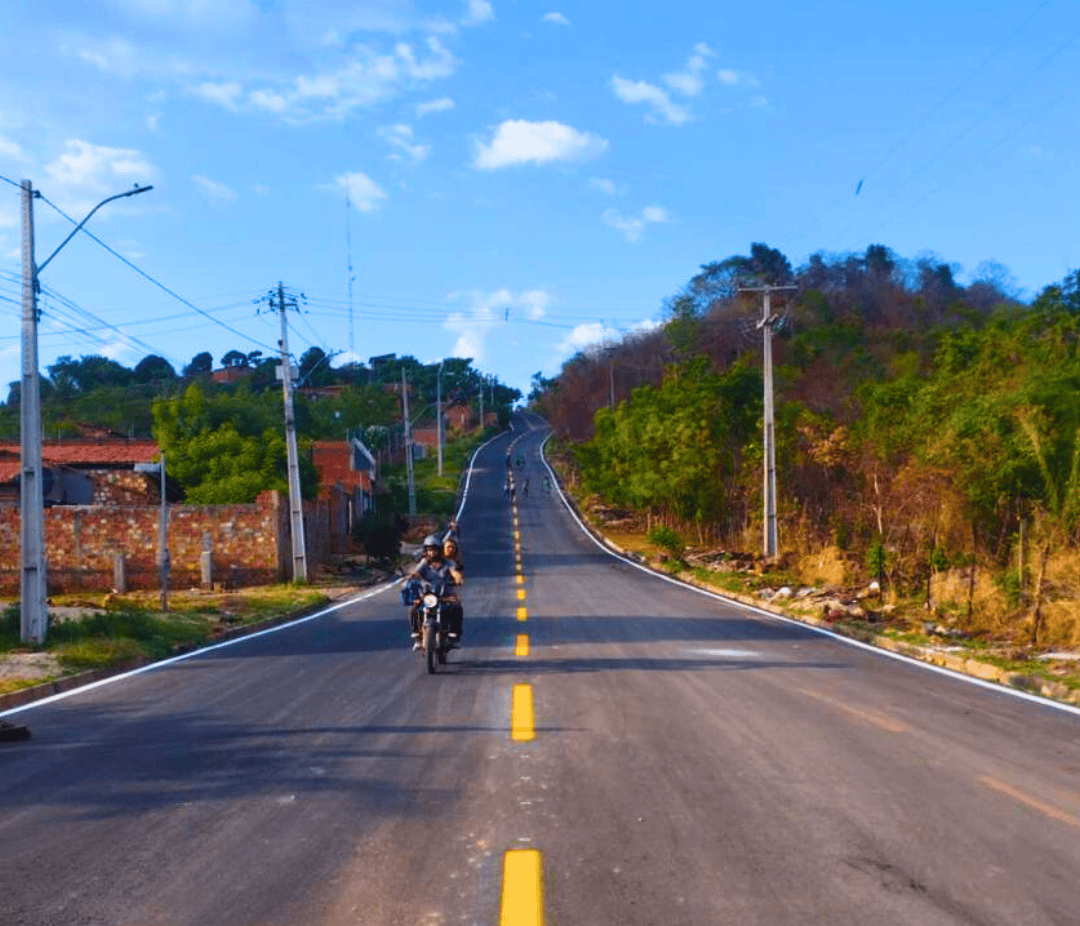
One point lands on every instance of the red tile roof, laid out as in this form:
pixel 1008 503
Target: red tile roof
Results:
pixel 82 453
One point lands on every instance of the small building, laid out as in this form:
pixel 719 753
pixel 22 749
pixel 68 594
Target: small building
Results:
pixel 81 471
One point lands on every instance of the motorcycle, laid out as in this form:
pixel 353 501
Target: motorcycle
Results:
pixel 433 606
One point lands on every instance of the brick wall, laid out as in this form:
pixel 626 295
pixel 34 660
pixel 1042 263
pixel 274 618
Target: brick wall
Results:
pixel 251 543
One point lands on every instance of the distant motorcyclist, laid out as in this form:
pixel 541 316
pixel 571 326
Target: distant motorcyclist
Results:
pixel 443 575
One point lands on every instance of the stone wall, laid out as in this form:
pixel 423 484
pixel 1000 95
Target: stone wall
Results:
pixel 250 543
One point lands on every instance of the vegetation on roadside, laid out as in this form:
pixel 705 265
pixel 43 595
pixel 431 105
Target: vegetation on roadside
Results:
pixel 114 630
pixel 927 433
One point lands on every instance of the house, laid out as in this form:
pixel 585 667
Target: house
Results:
pixel 347 473
pixel 81 471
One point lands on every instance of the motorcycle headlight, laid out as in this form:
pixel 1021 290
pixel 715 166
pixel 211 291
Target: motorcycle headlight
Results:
pixel 430 600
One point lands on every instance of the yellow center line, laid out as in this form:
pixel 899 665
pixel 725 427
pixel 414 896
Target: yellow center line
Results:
pixel 520 579
pixel 1035 803
pixel 521 715
pixel 517 537
pixel 882 720
pixel 522 901
pixel 522 648
pixel 522 614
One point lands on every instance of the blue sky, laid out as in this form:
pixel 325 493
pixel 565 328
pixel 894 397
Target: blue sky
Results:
pixel 525 178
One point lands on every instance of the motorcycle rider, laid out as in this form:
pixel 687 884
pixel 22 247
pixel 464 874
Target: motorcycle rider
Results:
pixel 442 574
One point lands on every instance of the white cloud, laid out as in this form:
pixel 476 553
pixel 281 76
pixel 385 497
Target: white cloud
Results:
pixel 732 78
pixel 633 227
pixel 401 138
pixel 556 18
pixel 365 78
pixel 517 141
pixel 434 106
pixel 604 185
pixel 153 120
pixel 689 80
pixel 10 149
pixel 631 91
pixel 226 94
pixel 586 335
pixel 363 192
pixel 86 171
pixel 483 314
pixel 214 191
pixel 476 12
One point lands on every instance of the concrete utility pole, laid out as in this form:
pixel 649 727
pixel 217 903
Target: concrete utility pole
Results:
pixel 33 577
pixel 481 406
pixel 296 504
pixel 438 413
pixel 408 443
pixel 768 320
pixel 32 502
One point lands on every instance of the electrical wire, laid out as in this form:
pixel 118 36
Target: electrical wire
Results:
pixel 157 283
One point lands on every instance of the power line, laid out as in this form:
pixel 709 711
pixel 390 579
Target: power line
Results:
pixel 158 284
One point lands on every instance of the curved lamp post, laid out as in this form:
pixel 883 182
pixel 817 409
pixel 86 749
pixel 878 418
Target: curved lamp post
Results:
pixel 32 581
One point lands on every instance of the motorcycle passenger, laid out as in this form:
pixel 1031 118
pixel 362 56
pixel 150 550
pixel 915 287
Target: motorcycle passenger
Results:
pixel 456 613
pixel 442 575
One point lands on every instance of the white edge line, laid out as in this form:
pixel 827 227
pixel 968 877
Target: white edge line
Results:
pixel 371 593
pixel 982 683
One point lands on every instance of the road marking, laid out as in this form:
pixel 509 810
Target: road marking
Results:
pixel 882 720
pixel 522 889
pixel 1035 803
pixel 521 594
pixel 522 648
pixel 521 717
pixel 522 615
pixel 517 536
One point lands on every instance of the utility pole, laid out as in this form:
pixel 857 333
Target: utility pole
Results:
pixel 408 443
pixel 768 320
pixel 32 520
pixel 438 413
pixel 33 578
pixel 481 406
pixel 296 504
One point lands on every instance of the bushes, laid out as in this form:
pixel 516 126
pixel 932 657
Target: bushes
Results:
pixel 380 534
pixel 667 539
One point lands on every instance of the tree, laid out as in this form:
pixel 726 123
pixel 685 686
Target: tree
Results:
pixel 314 367
pixel 234 358
pixel 202 362
pixel 153 368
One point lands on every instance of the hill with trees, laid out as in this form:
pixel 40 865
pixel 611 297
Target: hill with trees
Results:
pixel 922 426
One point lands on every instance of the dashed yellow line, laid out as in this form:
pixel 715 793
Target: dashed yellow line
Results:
pixel 882 720
pixel 520 579
pixel 1050 811
pixel 521 594
pixel 522 648
pixel 522 889
pixel 522 614
pixel 521 715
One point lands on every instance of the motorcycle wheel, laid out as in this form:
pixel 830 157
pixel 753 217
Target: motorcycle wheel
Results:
pixel 442 655
pixel 429 650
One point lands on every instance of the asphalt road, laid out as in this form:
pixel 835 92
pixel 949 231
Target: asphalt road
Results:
pixel 686 761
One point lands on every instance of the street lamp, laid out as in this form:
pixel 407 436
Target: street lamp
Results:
pixel 32 581
pixel 163 549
